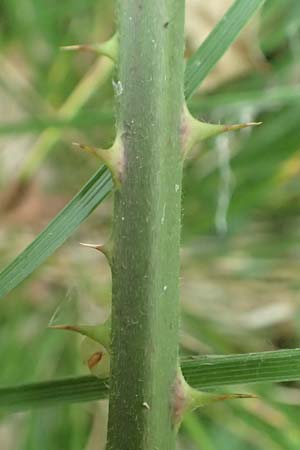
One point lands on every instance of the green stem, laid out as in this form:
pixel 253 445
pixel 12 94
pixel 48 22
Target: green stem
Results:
pixel 145 263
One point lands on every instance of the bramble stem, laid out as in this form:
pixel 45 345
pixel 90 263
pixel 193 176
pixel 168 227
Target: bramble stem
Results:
pixel 145 263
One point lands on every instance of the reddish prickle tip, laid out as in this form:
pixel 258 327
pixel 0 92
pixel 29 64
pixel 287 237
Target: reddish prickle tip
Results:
pixel 240 126
pixel 64 327
pixel 234 396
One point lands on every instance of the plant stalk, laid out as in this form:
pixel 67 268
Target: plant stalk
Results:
pixel 146 230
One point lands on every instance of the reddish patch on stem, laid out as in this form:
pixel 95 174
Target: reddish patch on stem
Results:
pixel 179 400
pixel 94 359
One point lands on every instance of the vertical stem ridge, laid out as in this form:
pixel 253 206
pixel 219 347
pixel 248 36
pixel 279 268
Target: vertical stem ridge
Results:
pixel 145 263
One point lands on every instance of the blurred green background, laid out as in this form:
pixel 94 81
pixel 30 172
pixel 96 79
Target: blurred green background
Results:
pixel 241 214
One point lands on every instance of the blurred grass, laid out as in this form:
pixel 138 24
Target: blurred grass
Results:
pixel 240 287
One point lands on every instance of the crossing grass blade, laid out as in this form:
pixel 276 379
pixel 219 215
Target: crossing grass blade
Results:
pixel 204 372
pixel 218 41
pixel 213 371
pixel 54 235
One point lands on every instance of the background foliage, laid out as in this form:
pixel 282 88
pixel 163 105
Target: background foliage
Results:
pixel 240 256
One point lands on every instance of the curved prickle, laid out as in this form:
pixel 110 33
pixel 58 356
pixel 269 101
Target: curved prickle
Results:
pixel 106 249
pixel 194 131
pixel 112 157
pixel 186 399
pixel 108 48
pixel 95 348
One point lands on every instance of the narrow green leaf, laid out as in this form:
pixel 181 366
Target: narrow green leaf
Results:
pixel 61 227
pixel 97 188
pixel 52 393
pixel 213 371
pixel 218 41
pixel 202 372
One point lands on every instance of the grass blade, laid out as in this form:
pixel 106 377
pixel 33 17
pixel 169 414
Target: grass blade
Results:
pixel 213 371
pixel 61 227
pixel 202 372
pixel 218 41
pixel 52 393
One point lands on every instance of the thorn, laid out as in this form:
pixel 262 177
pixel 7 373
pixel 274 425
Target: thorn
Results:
pixel 86 148
pixel 98 333
pixel 194 131
pixel 95 246
pixel 198 398
pixel 234 396
pixel 108 48
pixel 105 249
pixel 185 398
pixel 65 327
pixel 112 157
pixel 79 47
pixel 240 126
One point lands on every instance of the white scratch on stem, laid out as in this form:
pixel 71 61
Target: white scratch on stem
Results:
pixel 118 88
